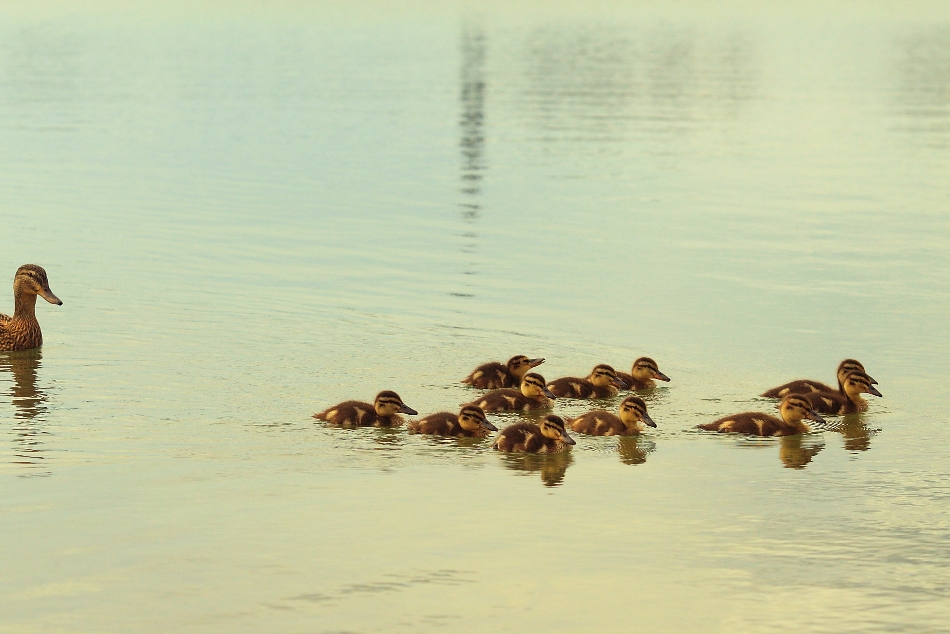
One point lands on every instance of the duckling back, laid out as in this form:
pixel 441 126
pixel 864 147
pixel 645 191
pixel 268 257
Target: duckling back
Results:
pixel 756 424
pixel 491 376
pixel 600 423
pixel 445 424
pixel 353 414
pixel 527 438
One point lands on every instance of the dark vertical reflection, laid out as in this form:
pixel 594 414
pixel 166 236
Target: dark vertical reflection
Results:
pixel 29 402
pixel 472 138
pixel 857 435
pixel 634 449
pixel 797 451
pixel 551 467
pixel 923 84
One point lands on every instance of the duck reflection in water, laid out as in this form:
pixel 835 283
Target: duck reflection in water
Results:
pixel 634 449
pixel 29 402
pixel 857 435
pixel 797 451
pixel 552 467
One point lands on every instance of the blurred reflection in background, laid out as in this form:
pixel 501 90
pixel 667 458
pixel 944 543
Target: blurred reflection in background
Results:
pixel 552 467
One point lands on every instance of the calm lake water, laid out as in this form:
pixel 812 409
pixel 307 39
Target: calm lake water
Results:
pixel 253 213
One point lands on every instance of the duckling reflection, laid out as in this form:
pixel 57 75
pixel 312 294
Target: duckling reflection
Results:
pixel 634 449
pixel 797 451
pixel 857 435
pixel 551 466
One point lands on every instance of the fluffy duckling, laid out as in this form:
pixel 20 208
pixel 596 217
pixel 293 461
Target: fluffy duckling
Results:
pixel 22 331
pixel 383 412
pixel 602 382
pixel 806 386
pixel 855 384
pixel 548 437
pixel 494 376
pixel 642 373
pixel 533 394
pixel 633 411
pixel 793 409
pixel 469 422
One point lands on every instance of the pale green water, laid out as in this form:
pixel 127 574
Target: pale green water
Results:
pixel 251 214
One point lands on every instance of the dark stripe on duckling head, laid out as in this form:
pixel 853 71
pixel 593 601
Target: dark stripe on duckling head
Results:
pixel 802 404
pixel 538 381
pixel 863 381
pixel 477 414
pixel 646 362
pixel 388 397
pixel 557 423
pixel 516 361
pixel 637 404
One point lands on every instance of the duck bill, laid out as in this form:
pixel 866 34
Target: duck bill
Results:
pixel 871 379
pixel 815 416
pixel 48 296
pixel 873 390
pixel 659 376
pixel 567 439
pixel 617 381
pixel 485 424
pixel 648 421
pixel 533 363
pixel 547 392
pixel 405 409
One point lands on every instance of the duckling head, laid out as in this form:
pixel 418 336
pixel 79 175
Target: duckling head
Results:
pixel 533 385
pixel 31 279
pixel 388 403
pixel 603 375
pixel 859 383
pixel 553 427
pixel 520 364
pixel 472 417
pixel 848 366
pixel 645 369
pixel 794 408
pixel 633 410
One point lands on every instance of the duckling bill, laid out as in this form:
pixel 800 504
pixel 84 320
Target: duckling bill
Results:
pixel 494 375
pixel 602 382
pixel 382 412
pixel 633 413
pixel 793 409
pixel 549 436
pixel 22 331
pixel 469 422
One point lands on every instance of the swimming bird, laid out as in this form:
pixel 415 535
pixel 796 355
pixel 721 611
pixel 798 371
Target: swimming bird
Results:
pixel 855 384
pixel 493 375
pixel 633 411
pixel 22 331
pixel 383 412
pixel 807 386
pixel 469 422
pixel 547 437
pixel 602 382
pixel 793 409
pixel 642 373
pixel 533 394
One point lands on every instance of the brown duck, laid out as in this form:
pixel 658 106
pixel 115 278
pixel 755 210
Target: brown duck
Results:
pixel 633 412
pixel 793 409
pixel 494 375
pixel 807 386
pixel 469 422
pixel 854 385
pixel 22 331
pixel 642 373
pixel 602 382
pixel 547 437
pixel 383 412
pixel 533 394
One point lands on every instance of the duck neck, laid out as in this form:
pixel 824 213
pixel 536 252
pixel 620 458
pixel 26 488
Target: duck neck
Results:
pixel 25 306
pixel 856 399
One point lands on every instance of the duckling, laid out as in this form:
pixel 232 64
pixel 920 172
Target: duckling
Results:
pixel 533 395
pixel 383 412
pixel 22 331
pixel 493 375
pixel 855 384
pixel 602 382
pixel 469 422
pixel 633 411
pixel 642 373
pixel 793 409
pixel 806 386
pixel 548 437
